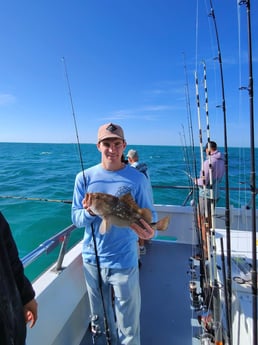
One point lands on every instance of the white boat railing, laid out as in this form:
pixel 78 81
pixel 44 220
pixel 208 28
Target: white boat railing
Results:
pixel 49 245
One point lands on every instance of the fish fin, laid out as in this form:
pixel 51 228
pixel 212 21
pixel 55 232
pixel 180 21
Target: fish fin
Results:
pixel 162 224
pixel 104 226
pixel 128 199
pixel 146 214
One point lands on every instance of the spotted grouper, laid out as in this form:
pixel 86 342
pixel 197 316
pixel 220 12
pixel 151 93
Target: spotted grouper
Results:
pixel 123 212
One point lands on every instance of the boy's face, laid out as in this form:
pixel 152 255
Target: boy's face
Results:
pixel 111 149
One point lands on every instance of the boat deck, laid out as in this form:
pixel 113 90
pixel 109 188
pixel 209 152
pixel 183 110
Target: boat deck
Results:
pixel 166 313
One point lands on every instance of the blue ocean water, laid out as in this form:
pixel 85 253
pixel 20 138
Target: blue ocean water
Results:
pixel 47 171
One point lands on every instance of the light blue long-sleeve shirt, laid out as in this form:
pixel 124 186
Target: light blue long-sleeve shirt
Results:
pixel 118 247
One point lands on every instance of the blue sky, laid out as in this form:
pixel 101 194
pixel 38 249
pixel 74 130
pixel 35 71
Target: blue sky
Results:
pixel 127 62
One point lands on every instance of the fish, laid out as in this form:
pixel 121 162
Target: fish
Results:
pixel 123 212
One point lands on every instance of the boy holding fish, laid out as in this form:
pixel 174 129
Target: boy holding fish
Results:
pixel 111 202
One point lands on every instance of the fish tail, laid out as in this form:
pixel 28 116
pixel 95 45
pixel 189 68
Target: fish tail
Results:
pixel 104 226
pixel 162 224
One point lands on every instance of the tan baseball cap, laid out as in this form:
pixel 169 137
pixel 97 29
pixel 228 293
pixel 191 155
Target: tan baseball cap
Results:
pixel 110 130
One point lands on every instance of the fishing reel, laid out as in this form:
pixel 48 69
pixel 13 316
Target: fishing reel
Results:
pixel 206 339
pixel 95 329
pixel 192 268
pixel 195 297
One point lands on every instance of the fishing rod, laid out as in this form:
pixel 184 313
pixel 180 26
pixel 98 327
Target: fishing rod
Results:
pixel 201 159
pixel 227 203
pixel 215 286
pixel 207 226
pixel 74 118
pixel 194 202
pixel 205 250
pixel 93 317
pixel 252 175
pixel 224 278
pixel 211 234
pixel 194 192
pixel 186 157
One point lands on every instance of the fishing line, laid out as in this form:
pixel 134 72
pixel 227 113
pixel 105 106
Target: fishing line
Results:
pixel 35 199
pixel 190 122
pixel 74 119
pixel 186 157
pixel 188 108
pixel 187 172
pixel 107 331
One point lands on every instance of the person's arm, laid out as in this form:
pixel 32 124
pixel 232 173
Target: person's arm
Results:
pixel 204 178
pixel 31 312
pixel 144 198
pixel 80 216
pixel 24 286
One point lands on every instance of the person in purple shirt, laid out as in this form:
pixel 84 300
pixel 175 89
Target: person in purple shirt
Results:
pixel 211 175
